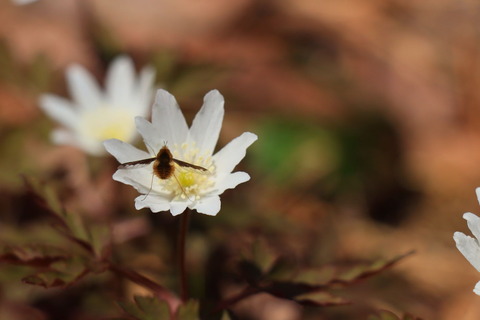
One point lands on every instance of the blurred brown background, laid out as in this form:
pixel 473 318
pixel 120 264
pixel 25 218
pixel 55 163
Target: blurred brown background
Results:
pixel 367 113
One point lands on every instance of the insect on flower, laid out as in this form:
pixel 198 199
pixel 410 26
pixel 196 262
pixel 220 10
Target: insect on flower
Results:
pixel 164 165
pixel 186 172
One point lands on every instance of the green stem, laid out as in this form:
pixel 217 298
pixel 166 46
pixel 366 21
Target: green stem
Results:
pixel 182 235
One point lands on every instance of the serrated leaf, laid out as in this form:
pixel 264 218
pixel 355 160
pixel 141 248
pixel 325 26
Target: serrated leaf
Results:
pixel 259 262
pixel 131 310
pixel 320 299
pixel 364 271
pixel 263 256
pixel 315 277
pixel 46 279
pixel 146 308
pixel 188 311
pixel 60 274
pixel 153 306
pixel 100 237
pixel 32 255
pixel 69 225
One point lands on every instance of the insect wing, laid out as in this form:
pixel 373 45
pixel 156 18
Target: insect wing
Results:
pixel 189 165
pixel 136 163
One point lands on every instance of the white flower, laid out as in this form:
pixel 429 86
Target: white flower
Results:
pixel 468 246
pixel 195 145
pixel 22 2
pixel 95 116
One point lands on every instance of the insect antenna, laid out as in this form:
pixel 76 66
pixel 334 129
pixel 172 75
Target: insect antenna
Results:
pixel 150 149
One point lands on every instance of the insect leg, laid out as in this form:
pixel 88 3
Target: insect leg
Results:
pixel 181 187
pixel 151 186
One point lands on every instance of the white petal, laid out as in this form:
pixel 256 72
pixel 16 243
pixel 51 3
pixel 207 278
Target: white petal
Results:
pixel 154 202
pixel 150 135
pixel 477 191
pixel 144 91
pixel 208 122
pixel 62 136
pixel 477 288
pixel 22 2
pixel 469 247
pixel 59 109
pixel 208 205
pixel 65 137
pixel 83 87
pixel 123 151
pixel 120 81
pixel 230 155
pixel 139 178
pixel 473 223
pixel 231 180
pixel 177 207
pixel 168 119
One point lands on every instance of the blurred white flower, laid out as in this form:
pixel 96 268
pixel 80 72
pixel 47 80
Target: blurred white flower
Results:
pixel 94 116
pixel 468 246
pixel 195 145
pixel 22 2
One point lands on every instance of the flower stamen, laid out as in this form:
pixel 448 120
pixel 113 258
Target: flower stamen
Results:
pixel 189 183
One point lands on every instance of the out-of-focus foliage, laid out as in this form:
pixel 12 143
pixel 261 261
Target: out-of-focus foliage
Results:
pixel 367 120
pixel 387 315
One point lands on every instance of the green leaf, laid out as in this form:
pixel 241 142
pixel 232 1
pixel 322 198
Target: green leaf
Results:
pixel 188 311
pixel 364 271
pixel 146 308
pixel 315 276
pixel 100 238
pixel 131 310
pixel 59 274
pixel 32 255
pixel 320 299
pixel 69 225
pixel 153 307
pixel 258 262
pixel 263 256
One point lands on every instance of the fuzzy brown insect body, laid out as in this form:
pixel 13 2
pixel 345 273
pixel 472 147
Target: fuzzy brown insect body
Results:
pixel 163 165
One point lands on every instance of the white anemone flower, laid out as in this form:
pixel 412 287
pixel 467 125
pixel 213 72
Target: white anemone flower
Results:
pixel 23 2
pixel 185 188
pixel 468 246
pixel 95 116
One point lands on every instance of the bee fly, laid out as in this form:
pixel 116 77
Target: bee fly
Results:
pixel 163 165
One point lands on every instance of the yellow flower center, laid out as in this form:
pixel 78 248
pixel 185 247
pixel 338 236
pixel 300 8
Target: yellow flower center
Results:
pixel 189 183
pixel 108 122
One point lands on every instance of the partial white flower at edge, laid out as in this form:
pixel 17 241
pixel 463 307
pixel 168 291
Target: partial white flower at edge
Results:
pixel 22 2
pixel 468 246
pixel 194 145
pixel 95 115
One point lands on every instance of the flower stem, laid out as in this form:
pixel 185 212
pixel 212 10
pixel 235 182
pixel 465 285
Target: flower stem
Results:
pixel 182 235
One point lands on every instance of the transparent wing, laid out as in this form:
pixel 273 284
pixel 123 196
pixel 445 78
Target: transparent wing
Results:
pixel 182 165
pixel 136 163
